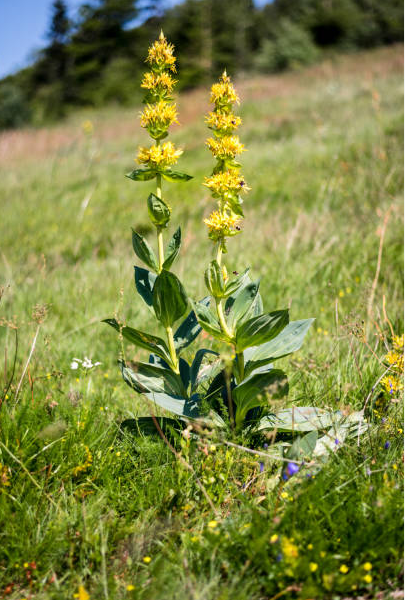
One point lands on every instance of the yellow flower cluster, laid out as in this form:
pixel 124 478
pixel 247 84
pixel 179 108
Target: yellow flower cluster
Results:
pixel 160 55
pixel 159 156
pixel 227 147
pixel 393 382
pixel 159 112
pixel 222 224
pixel 226 183
pixel 86 465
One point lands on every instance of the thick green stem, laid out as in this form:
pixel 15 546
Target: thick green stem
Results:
pixel 219 253
pixel 221 318
pixel 172 349
pixel 161 252
pixel 241 365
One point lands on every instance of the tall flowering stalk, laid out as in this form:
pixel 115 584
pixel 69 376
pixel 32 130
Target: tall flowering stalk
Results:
pixel 199 387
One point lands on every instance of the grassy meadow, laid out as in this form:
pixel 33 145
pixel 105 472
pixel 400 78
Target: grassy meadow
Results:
pixel 91 512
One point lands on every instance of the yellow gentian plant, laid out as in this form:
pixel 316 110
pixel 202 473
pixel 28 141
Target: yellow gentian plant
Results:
pixel 208 385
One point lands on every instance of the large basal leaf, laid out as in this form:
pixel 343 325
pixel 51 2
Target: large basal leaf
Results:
pixel 170 175
pixel 173 249
pixel 260 329
pixel 144 282
pixel 184 368
pixel 144 251
pixel 288 341
pixel 150 378
pixel 189 329
pixel 208 321
pixel 143 340
pixel 343 429
pixel 250 393
pixel 158 210
pixel 141 175
pixel 197 372
pixel 303 446
pixel 169 298
pixel 299 418
pixel 165 389
pixel 241 308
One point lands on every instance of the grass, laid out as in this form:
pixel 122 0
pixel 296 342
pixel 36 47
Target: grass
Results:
pixel 83 505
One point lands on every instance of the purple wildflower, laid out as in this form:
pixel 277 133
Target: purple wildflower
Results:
pixel 261 467
pixel 387 445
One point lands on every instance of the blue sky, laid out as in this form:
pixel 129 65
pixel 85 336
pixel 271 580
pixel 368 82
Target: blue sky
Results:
pixel 23 24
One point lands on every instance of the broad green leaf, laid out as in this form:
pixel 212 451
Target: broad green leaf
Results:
pixel 250 393
pixel 144 251
pixel 260 329
pixel 144 282
pixel 241 308
pixel 188 329
pixel 166 389
pixel 183 366
pixel 214 280
pixel 303 446
pixel 141 175
pixel 158 210
pixel 300 418
pixel 198 374
pixel 173 248
pixel 143 340
pixel 175 176
pixel 288 341
pixel 235 284
pixel 169 298
pixel 208 321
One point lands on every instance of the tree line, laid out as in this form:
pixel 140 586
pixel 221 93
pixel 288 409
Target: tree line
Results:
pixel 98 57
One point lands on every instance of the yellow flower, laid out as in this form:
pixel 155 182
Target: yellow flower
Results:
pixel 398 342
pixel 313 567
pixel 367 578
pixel 212 524
pixel 130 587
pixel 147 560
pixel 344 569
pixel 82 594
pixel 4 475
pixel 224 123
pixel 87 127
pixel 158 117
pixel 222 225
pixel 284 495
pixel 227 147
pixel 310 546
pixel 391 384
pixel 223 93
pixel 227 182
pixel 289 549
pixel 160 54
pixel 367 566
pixel 395 359
pixel 160 82
pixel 274 538
pixel 159 156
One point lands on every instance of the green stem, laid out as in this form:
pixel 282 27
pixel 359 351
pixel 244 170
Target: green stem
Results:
pixel 219 252
pixel 241 365
pixel 221 318
pixel 161 252
pixel 172 350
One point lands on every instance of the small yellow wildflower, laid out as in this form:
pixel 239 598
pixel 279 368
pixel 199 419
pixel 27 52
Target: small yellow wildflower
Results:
pixel 348 290
pixel 395 467
pixel 368 578
pixel 395 359
pixel 341 294
pixel 227 147
pixel 82 594
pixel 274 538
pixel 222 225
pixel 322 554
pixel 212 524
pixel 159 156
pixel 391 384
pixel 86 465
pixel 313 567
pixel 130 587
pixel 158 82
pixel 398 342
pixel 160 54
pixel 223 93
pixel 4 475
pixel 310 546
pixel 344 569
pixel 367 566
pixel 284 495
pixel 289 549
pixel 87 127
pixel 147 560
pixel 26 565
pixel 195 538
pixel 226 182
